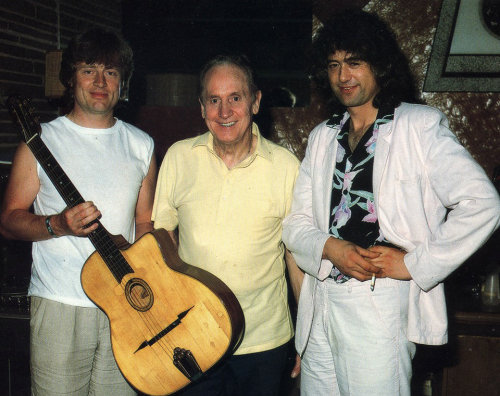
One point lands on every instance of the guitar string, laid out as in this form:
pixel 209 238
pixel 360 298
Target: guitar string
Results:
pixel 148 318
pixel 116 262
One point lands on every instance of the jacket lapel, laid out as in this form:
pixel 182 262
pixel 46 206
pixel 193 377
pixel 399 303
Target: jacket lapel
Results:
pixel 329 168
pixel 381 156
pixel 329 162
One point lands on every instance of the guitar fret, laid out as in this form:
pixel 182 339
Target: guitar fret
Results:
pixel 111 255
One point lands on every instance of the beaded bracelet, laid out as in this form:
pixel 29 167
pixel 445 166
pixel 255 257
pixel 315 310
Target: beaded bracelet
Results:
pixel 49 227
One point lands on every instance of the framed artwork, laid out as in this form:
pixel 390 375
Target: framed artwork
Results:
pixel 466 50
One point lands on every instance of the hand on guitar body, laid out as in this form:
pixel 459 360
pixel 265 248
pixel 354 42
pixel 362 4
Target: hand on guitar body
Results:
pixel 75 221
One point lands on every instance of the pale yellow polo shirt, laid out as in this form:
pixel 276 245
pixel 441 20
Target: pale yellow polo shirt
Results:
pixel 230 224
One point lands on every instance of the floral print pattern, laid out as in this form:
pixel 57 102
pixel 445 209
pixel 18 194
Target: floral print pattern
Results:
pixel 353 215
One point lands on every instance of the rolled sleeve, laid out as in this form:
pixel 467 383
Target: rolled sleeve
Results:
pixel 164 211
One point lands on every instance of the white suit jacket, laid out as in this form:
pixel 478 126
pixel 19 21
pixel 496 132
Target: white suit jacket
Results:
pixel 420 173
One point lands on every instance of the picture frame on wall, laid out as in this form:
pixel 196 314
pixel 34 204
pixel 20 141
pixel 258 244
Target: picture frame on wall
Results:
pixel 466 50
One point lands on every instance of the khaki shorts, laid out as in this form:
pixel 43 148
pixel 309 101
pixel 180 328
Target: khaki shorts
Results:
pixel 71 352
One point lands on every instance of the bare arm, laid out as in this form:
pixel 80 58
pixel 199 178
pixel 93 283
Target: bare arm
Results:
pixel 295 274
pixel 16 220
pixel 296 277
pixel 174 237
pixel 350 259
pixel 144 207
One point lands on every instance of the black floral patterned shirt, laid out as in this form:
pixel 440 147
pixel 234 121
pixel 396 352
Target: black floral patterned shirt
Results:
pixel 353 216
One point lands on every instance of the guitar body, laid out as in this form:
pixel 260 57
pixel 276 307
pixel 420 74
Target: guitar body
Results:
pixel 150 299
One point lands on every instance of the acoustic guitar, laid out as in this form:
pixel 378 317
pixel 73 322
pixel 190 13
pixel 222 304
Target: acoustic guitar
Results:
pixel 170 322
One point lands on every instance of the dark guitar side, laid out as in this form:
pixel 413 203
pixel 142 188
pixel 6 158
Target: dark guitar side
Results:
pixel 212 327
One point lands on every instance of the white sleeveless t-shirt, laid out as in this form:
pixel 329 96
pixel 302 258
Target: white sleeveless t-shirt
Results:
pixel 107 166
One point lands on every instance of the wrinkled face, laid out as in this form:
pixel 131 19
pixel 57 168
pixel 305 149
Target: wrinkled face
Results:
pixel 96 88
pixel 227 105
pixel 351 79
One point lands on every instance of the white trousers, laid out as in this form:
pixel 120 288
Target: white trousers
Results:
pixel 358 344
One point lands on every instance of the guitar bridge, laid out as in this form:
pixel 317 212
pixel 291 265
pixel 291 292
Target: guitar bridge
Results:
pixel 187 364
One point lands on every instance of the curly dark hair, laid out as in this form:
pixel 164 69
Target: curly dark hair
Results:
pixel 99 46
pixel 368 38
pixel 239 61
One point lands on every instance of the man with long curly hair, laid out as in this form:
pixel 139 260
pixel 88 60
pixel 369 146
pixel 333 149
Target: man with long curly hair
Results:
pixel 386 205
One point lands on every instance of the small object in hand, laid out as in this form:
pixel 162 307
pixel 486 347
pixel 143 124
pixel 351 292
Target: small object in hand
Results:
pixel 372 283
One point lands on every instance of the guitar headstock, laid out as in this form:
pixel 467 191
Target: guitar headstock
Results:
pixel 23 113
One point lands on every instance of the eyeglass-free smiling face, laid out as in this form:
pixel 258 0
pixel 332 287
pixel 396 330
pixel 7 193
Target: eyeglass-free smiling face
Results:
pixel 352 80
pixel 96 89
pixel 227 105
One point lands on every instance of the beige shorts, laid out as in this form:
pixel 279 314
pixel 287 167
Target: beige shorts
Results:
pixel 71 352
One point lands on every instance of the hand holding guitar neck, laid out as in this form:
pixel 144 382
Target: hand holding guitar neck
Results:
pixel 76 221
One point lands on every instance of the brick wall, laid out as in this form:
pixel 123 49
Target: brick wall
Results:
pixel 30 28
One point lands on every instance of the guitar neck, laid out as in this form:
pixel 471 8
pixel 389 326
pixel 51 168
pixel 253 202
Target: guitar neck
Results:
pixel 100 238
pixel 56 174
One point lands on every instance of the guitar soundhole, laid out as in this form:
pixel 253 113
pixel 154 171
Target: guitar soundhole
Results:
pixel 139 294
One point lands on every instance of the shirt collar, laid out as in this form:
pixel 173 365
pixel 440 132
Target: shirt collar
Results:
pixel 263 148
pixel 338 120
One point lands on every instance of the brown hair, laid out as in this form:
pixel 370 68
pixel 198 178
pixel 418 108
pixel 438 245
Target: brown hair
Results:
pixel 97 46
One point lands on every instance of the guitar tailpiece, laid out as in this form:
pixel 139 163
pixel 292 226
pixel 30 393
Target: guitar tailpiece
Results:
pixel 187 364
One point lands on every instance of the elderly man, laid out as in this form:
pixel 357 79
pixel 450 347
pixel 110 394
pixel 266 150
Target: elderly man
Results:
pixel 386 205
pixel 223 196
pixel 113 164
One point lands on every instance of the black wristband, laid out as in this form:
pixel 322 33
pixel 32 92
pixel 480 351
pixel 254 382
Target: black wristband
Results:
pixel 49 227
